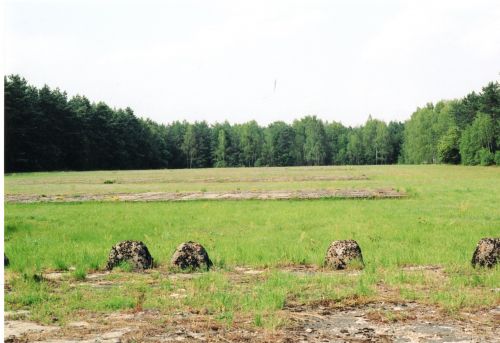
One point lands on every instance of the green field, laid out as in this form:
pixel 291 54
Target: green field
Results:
pixel 447 210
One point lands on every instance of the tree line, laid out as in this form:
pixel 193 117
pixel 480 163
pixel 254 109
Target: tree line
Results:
pixel 46 130
pixel 463 131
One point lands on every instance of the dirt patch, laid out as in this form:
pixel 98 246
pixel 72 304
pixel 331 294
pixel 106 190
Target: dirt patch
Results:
pixel 386 319
pixel 228 195
pixel 14 329
pixel 16 315
pixel 310 269
pixel 248 271
pixel 375 322
pixel 425 268
pixel 389 322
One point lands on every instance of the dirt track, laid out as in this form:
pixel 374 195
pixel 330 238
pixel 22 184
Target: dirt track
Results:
pixel 229 195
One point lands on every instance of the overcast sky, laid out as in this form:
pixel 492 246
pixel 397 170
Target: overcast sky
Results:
pixel 262 60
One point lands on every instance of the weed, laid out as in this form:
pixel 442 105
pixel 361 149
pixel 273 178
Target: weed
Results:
pixel 125 266
pixel 118 303
pixel 79 274
pixel 226 317
pixel 60 264
pixel 139 302
pixel 257 320
pixel 362 288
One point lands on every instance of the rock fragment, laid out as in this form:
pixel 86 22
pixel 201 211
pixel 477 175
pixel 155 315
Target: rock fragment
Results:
pixel 487 253
pixel 134 252
pixel 344 254
pixel 191 255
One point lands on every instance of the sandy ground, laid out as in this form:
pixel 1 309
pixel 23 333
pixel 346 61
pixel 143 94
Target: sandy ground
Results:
pixel 228 195
pixel 384 320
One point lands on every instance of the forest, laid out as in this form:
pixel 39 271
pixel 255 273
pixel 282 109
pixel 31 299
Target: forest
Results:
pixel 45 130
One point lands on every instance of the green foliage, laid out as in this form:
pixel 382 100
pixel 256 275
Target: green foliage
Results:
pixel 486 157
pixel 376 142
pixel 455 131
pixel 355 147
pixel 60 264
pixel 252 138
pixel 424 130
pixel 257 320
pixel 448 146
pixel 337 139
pixel 189 145
pixel 79 273
pixel 44 130
pixel 314 150
pixel 479 135
pixel 497 157
pixel 221 149
pixel 125 266
pixel 279 143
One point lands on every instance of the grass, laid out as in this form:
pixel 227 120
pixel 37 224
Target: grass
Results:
pixel 136 181
pixel 449 209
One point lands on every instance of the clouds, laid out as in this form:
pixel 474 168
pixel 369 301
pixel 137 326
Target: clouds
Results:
pixel 434 50
pixel 213 61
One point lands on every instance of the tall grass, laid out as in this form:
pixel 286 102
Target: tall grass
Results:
pixel 390 232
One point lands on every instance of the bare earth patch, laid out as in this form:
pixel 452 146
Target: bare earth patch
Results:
pixel 355 320
pixel 390 322
pixel 373 322
pixel 308 269
pixel 227 195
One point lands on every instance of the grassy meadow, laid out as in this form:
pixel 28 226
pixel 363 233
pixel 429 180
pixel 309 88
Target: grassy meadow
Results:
pixel 448 209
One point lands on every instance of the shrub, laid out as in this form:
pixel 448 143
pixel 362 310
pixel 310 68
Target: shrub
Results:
pixel 497 157
pixel 486 157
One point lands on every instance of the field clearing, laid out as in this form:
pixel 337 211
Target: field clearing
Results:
pixel 267 255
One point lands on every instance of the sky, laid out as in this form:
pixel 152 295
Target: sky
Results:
pixel 256 60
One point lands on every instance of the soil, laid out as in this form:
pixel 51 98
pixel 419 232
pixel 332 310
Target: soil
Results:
pixel 390 322
pixel 355 320
pixel 374 322
pixel 228 195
